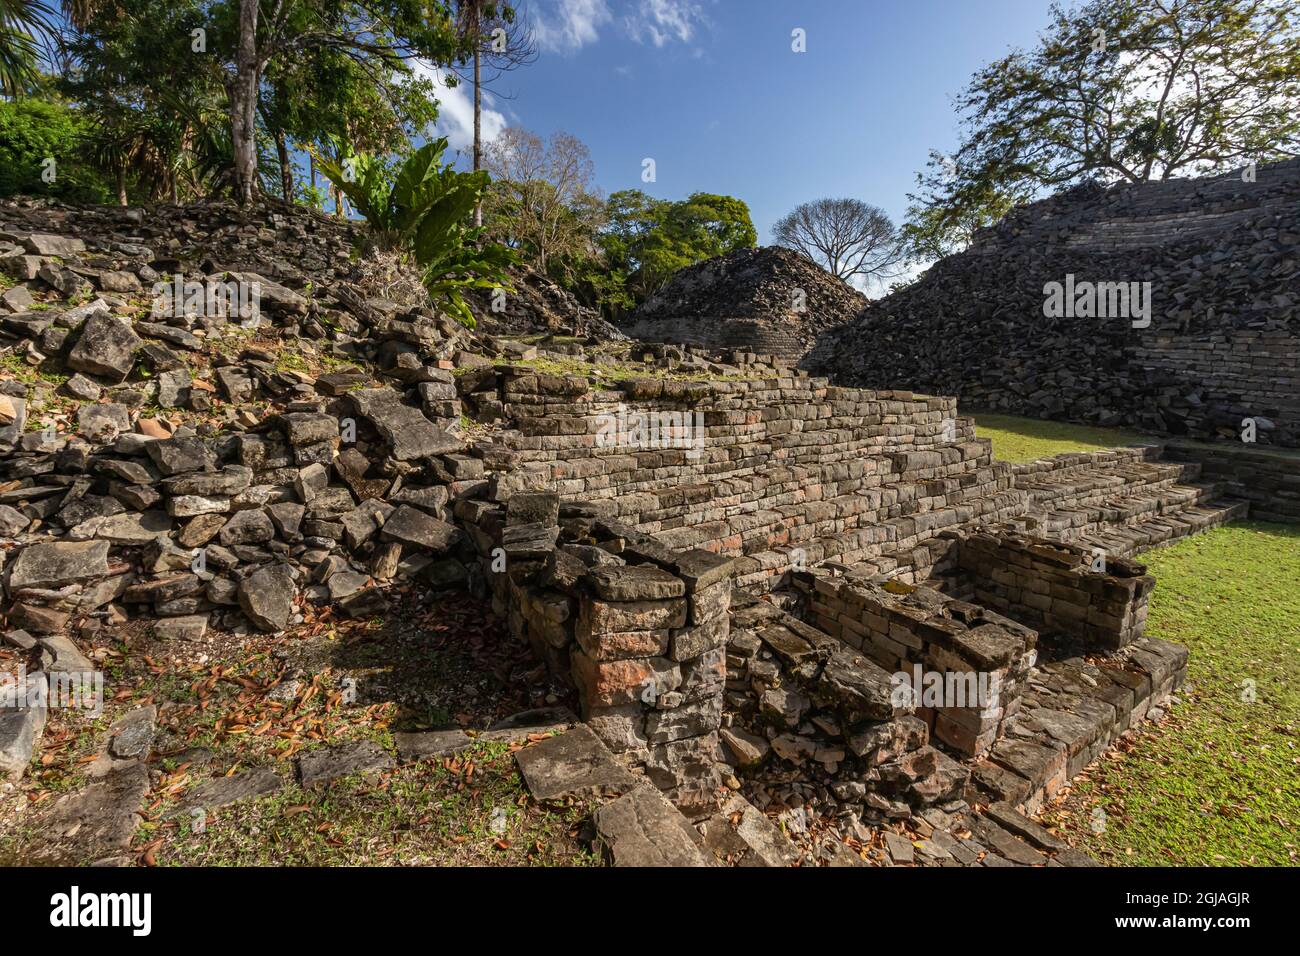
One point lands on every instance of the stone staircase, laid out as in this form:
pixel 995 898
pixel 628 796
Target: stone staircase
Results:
pixel 1122 501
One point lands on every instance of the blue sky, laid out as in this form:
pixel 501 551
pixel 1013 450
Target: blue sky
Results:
pixel 711 90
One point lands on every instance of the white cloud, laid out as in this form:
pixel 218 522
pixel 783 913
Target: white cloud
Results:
pixel 563 26
pixel 456 111
pixel 662 21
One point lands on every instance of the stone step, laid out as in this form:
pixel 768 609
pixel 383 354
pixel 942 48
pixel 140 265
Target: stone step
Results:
pixel 1070 524
pixel 1165 529
pixel 1085 461
pixel 1072 712
pixel 1076 489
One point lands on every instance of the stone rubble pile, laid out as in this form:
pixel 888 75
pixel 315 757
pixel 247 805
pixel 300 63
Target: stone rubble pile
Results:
pixel 538 305
pixel 769 300
pixel 193 469
pixel 1222 259
pixel 802 698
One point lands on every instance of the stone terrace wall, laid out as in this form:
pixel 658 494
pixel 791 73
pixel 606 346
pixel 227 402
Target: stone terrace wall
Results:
pixel 787 471
pixel 1269 479
pixel 1054 588
pixel 900 625
pixel 1223 260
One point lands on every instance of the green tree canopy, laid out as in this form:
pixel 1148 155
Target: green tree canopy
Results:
pixel 650 239
pixel 1117 90
pixel 33 131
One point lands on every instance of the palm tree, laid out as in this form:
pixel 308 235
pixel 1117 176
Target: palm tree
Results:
pixel 25 30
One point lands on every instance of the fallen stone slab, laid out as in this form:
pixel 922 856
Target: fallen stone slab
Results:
pixel 102 424
pixel 341 760
pixel 95 823
pixel 430 743
pixel 412 526
pixel 59 655
pixel 133 733
pixel 900 848
pixel 272 296
pixel 20 731
pixel 106 348
pixel 47 244
pixel 223 791
pixel 186 627
pixel 17 299
pixel 133 528
pixel 740 835
pixel 407 431
pixel 576 763
pixel 12 521
pixel 247 527
pixel 20 639
pixel 42 620
pixel 641 828
pixel 266 596
pixel 749 750
pixel 176 456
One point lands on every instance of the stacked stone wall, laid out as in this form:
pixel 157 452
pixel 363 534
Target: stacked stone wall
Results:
pixel 1268 478
pixel 639 629
pixel 1219 342
pixel 782 472
pixel 903 627
pixel 1060 589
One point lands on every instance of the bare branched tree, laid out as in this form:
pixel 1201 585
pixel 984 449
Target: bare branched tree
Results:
pixel 543 197
pixel 846 237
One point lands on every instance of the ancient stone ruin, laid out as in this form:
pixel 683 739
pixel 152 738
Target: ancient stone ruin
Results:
pixel 1216 264
pixel 792 611
pixel 769 300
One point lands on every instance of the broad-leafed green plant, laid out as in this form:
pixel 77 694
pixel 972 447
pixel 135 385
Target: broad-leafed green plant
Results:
pixel 422 208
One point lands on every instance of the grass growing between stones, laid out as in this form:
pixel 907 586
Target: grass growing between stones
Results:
pixel 1026 439
pixel 232 703
pixel 470 809
pixel 1219 782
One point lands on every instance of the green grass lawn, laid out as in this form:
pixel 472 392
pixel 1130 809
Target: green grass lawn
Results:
pixel 1218 783
pixel 1025 439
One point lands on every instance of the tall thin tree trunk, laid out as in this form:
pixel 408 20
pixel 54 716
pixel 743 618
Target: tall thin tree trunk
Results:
pixel 478 109
pixel 243 104
pixel 286 166
pixel 121 185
